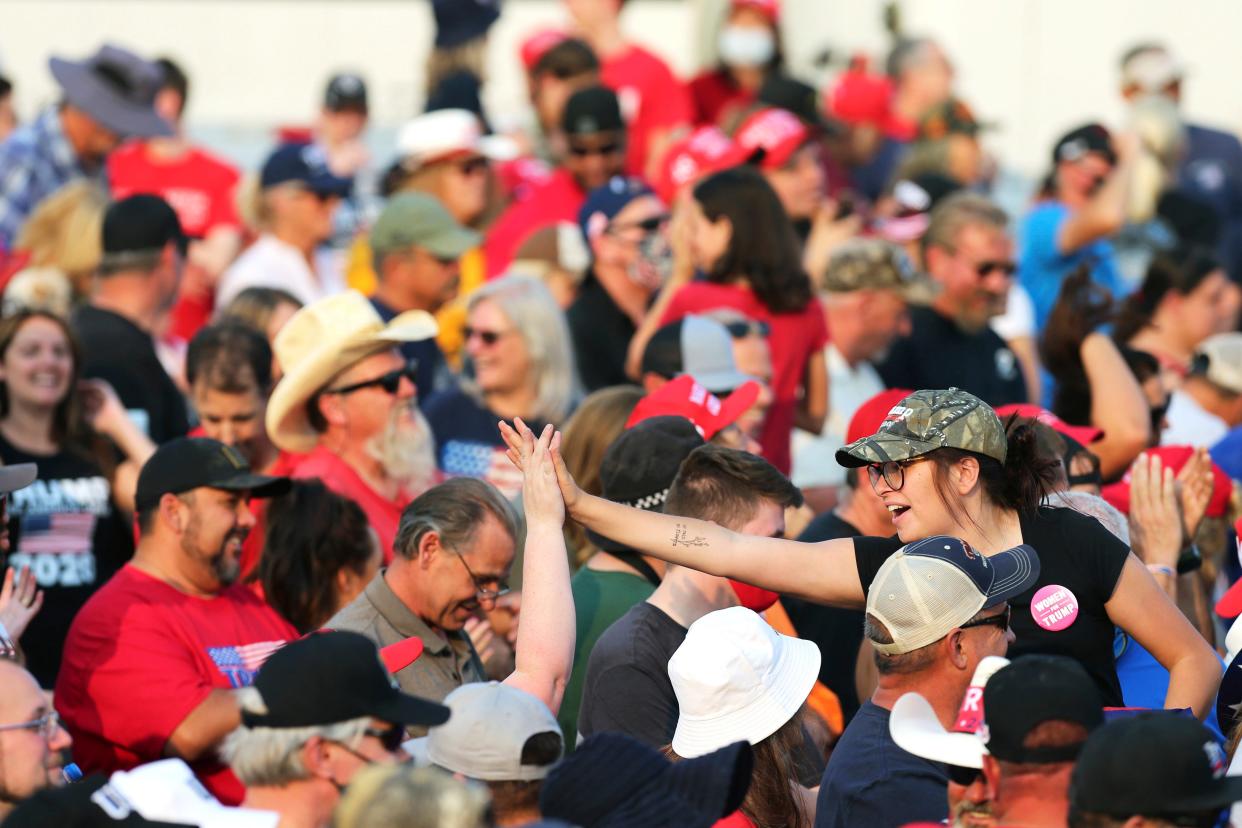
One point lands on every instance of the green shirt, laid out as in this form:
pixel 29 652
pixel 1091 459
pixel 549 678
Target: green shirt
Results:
pixel 600 598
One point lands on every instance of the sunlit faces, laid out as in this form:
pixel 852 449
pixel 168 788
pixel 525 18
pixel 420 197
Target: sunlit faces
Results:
pixel 1083 176
pixel 975 275
pixel 621 246
pixel 304 212
pixel 37 367
pixel 885 316
pixel 970 805
pixel 235 419
pixel 31 758
pixel 497 350
pixel 592 159
pixel 1204 311
pixel 916 508
pixel 451 593
pixel 709 240
pixel 430 281
pixel 462 186
pixel 799 182
pixel 213 524
pixel 364 413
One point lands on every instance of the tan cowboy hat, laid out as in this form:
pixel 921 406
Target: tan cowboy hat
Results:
pixel 319 342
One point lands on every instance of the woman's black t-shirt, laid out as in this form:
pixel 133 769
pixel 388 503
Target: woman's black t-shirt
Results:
pixel 1076 555
pixel 66 528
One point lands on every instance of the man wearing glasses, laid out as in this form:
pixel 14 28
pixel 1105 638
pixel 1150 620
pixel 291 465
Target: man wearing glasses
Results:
pixel 32 742
pixel 347 401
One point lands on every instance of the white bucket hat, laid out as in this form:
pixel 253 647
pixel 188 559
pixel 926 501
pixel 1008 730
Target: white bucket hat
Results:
pixel 737 679
pixel 320 341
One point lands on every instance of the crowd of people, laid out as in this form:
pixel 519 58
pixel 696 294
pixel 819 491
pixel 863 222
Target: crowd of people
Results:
pixel 710 451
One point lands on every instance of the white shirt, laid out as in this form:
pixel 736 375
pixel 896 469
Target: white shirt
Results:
pixel 1018 320
pixel 1190 425
pixel 814 456
pixel 272 263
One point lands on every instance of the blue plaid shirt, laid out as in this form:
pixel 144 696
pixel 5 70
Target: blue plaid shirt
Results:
pixel 35 162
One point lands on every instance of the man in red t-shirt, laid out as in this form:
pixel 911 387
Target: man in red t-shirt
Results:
pixel 153 658
pixel 347 400
pixel 198 185
pixel 594 136
pixel 655 103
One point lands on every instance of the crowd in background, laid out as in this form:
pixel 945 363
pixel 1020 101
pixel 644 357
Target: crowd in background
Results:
pixel 709 451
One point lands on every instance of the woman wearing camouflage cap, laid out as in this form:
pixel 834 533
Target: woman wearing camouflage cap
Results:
pixel 982 485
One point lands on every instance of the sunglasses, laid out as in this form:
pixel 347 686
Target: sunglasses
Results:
pixel 893 472
pixel 647 225
pixel 390 737
pixel 752 327
pixel 965 777
pixel 390 382
pixel 487 337
pixel 580 151
pixel 1000 621
pixel 472 166
pixel 985 268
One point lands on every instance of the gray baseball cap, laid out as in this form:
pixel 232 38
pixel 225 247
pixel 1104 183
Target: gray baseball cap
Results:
pixel 698 346
pixel 418 219
pixel 486 731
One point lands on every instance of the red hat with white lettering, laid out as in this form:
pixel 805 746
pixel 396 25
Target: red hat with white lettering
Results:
pixel 1174 457
pixel 778 132
pixel 706 150
pixel 870 415
pixel 683 397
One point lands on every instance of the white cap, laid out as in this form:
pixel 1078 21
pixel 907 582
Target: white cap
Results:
pixel 485 734
pixel 166 791
pixel 445 132
pixel 737 679
pixel 1219 358
pixel 1151 70
pixel 916 728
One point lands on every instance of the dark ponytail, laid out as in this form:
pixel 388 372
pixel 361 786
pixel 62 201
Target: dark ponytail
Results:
pixel 1180 271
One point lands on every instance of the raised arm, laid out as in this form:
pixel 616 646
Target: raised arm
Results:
pixel 544 652
pixel 822 572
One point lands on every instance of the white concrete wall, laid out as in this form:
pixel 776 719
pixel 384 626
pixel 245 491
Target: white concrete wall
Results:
pixel 1035 66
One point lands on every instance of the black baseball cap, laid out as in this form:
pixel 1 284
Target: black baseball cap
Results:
pixel 346 91
pixel 639 466
pixel 194 462
pixel 137 227
pixel 306 165
pixel 334 676
pixel 1158 764
pixel 1076 143
pixel 591 110
pixel 1031 690
pixel 802 99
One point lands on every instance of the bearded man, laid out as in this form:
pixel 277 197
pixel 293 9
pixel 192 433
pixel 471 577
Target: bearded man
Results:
pixel 347 401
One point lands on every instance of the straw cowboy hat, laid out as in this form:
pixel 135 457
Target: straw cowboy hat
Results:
pixel 319 342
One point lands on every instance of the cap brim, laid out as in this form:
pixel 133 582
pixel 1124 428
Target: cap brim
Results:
pixel 721 382
pixel 17 476
pixel 452 243
pixel 916 729
pixel 258 485
pixel 402 654
pixel 1016 570
pixel 880 448
pixel 714 784
pixel 736 404
pixel 1228 790
pixel 404 709
pixel 332 185
pixel 1230 604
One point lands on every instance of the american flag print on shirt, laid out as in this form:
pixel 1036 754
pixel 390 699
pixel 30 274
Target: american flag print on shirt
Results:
pixel 460 458
pixel 240 664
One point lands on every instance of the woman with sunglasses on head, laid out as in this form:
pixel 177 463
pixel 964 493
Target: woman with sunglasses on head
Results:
pixel 520 365
pixel 944 465
pixel 744 243
pixel 71 527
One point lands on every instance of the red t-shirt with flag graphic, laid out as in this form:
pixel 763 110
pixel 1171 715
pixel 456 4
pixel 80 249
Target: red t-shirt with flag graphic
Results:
pixel 141 655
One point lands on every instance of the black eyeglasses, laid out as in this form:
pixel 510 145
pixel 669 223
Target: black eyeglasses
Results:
pixel 390 382
pixel 1007 267
pixel 502 588
pixel 1000 621
pixel 390 737
pixel 472 166
pixel 965 777
pixel 603 149
pixel 893 472
pixel 749 327
pixel 647 225
pixel 488 338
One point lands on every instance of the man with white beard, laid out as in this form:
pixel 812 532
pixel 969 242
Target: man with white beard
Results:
pixel 347 401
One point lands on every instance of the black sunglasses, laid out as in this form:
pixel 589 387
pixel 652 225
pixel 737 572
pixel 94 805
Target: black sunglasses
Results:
pixel 1000 621
pixel 390 737
pixel 472 166
pixel 1008 268
pixel 647 225
pixel 603 149
pixel 743 329
pixel 390 382
pixel 489 338
pixel 965 777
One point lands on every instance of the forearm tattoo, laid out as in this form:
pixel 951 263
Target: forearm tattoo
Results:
pixel 680 537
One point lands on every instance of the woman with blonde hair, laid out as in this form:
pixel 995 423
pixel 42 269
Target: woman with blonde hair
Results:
pixel 58 248
pixel 521 365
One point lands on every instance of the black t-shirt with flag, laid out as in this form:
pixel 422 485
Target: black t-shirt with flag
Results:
pixel 1080 563
pixel 66 528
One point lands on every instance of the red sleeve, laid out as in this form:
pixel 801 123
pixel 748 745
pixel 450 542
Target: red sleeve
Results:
pixel 818 326
pixel 224 202
pixel 667 99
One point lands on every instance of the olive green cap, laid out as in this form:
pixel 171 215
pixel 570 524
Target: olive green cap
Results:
pixel 875 264
pixel 926 421
pixel 420 220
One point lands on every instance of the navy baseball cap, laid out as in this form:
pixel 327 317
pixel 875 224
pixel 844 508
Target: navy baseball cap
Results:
pixel 603 203
pixel 303 164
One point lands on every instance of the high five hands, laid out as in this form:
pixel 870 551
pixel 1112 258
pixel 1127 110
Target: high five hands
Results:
pixel 548 489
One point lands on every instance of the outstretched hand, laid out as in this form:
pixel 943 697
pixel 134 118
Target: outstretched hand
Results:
pixel 543 470
pixel 20 601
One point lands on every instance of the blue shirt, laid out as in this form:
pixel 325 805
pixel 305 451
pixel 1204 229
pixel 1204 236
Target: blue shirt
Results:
pixel 1211 171
pixel 35 161
pixel 870 781
pixel 1042 267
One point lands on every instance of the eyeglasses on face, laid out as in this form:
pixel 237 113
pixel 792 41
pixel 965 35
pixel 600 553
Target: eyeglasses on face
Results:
pixel 750 327
pixel 1000 621
pixel 502 587
pixel 581 151
pixel 647 226
pixel 472 166
pixel 47 724
pixel 485 336
pixel 893 472
pixel 390 382
pixel 986 268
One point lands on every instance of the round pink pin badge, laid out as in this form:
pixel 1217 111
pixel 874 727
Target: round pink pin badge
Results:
pixel 1054 607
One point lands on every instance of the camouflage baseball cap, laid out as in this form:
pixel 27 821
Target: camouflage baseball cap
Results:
pixel 875 264
pixel 928 420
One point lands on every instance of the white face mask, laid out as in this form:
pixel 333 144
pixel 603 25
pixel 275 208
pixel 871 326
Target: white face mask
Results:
pixel 746 46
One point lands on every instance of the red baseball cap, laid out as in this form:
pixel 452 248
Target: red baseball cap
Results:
pixel 1230 604
pixel 870 415
pixel 1083 435
pixel 1174 457
pixel 683 397
pixel 537 44
pixel 770 8
pixel 778 132
pixel 396 656
pixel 706 150
pixel 859 97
